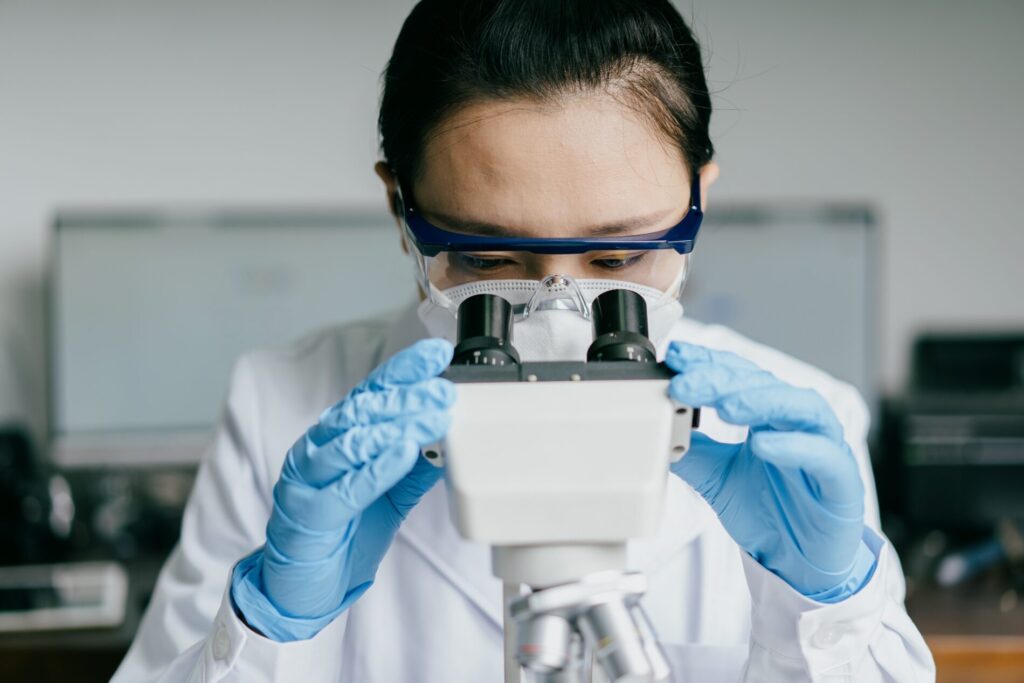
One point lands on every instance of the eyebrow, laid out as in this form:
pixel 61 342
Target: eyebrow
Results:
pixel 634 224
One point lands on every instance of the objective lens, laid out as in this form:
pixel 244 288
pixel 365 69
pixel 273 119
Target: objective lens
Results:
pixel 544 643
pixel 484 331
pixel 620 328
pixel 610 630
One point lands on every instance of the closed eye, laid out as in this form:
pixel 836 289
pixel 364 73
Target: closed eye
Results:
pixel 619 261
pixel 480 262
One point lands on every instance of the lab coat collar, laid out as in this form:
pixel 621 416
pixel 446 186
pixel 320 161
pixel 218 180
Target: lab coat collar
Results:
pixel 406 329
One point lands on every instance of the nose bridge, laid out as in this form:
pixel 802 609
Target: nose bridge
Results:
pixel 539 266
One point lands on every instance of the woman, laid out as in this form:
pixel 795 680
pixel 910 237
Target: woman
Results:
pixel 506 124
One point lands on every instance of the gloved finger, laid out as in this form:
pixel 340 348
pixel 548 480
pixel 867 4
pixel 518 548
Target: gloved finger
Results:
pixel 380 522
pixel 331 507
pixel 826 471
pixel 704 465
pixel 296 542
pixel 359 488
pixel 379 406
pixel 706 384
pixel 304 586
pixel 756 399
pixel 407 493
pixel 425 359
pixel 682 355
pixel 781 408
pixel 357 446
pixel 819 537
pixel 360 444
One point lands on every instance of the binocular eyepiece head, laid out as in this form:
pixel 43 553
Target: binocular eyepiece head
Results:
pixel 620 330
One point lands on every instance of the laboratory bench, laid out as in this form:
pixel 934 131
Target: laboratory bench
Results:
pixel 975 631
pixel 79 655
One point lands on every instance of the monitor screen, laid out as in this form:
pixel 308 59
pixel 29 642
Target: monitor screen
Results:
pixel 798 277
pixel 150 311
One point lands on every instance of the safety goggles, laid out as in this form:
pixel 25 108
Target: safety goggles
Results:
pixel 430 239
pixel 448 258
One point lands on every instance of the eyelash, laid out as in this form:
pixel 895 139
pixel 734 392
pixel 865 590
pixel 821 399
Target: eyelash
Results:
pixel 620 263
pixel 483 263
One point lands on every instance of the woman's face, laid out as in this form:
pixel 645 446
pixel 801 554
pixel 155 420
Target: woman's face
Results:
pixel 584 166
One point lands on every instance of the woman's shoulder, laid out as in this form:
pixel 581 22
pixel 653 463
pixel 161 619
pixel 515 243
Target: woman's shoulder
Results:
pixel 281 390
pixel 332 352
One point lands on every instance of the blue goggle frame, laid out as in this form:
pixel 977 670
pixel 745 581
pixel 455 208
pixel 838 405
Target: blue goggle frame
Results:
pixel 430 240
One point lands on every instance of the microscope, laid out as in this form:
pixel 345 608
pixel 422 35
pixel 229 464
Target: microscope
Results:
pixel 556 465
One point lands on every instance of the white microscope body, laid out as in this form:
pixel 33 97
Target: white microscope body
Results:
pixel 556 466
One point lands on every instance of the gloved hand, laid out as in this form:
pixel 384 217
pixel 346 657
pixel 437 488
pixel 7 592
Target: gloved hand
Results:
pixel 344 489
pixel 791 493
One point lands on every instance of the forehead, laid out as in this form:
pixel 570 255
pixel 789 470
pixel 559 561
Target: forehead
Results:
pixel 580 160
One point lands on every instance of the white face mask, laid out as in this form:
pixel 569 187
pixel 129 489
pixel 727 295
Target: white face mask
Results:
pixel 552 316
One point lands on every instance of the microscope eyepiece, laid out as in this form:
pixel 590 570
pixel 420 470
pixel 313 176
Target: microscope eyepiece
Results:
pixel 620 328
pixel 485 332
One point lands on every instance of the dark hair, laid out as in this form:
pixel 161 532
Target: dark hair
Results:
pixel 453 52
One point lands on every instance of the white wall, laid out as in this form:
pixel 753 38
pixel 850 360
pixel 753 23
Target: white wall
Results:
pixel 912 105
pixel 128 102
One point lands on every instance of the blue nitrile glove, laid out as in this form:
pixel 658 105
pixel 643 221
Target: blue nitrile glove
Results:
pixel 344 489
pixel 791 494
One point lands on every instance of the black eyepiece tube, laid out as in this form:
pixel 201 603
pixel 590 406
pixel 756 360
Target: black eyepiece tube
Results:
pixel 485 332
pixel 620 328
pixel 620 309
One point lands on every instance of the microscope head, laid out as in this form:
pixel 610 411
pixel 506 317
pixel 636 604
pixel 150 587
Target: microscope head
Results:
pixel 559 463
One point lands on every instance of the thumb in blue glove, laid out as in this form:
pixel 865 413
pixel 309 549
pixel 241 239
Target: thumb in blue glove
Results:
pixel 791 493
pixel 344 489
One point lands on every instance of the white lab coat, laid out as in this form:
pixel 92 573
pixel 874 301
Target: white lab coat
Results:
pixel 434 612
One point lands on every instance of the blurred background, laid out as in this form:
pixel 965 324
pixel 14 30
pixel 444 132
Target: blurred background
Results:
pixel 180 181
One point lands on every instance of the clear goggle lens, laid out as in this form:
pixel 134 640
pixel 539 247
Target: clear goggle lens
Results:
pixel 552 292
pixel 546 281
pixel 655 268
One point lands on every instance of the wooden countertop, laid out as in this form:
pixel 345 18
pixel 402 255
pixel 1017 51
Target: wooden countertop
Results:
pixel 975 632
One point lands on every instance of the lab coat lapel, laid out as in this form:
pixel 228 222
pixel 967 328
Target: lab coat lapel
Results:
pixel 406 330
pixel 684 517
pixel 467 565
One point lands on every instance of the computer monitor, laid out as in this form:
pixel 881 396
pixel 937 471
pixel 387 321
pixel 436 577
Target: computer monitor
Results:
pixel 149 311
pixel 799 277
